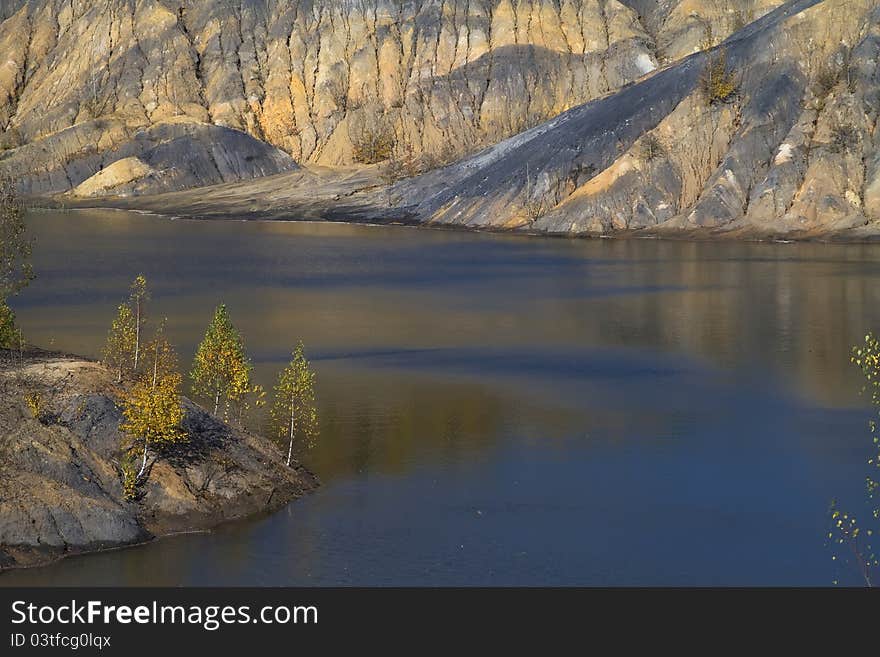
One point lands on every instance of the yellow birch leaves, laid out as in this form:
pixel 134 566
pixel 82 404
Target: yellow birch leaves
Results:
pixel 294 415
pixel 123 346
pixel 153 409
pixel 119 349
pixel 221 371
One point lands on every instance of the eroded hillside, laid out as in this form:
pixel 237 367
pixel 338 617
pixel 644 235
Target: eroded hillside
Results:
pixel 436 78
pixel 563 116
pixel 794 150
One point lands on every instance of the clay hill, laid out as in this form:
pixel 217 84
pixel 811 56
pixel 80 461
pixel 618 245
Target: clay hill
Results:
pixel 557 116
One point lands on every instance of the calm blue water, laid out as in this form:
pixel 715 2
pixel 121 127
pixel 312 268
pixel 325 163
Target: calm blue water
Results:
pixel 504 410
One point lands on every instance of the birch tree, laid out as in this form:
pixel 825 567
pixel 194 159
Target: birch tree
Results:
pixel 294 415
pixel 138 299
pixel 120 347
pixel 851 538
pixel 221 371
pixel 153 409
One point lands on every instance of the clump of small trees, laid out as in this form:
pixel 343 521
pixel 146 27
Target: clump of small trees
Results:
pixel 152 406
pixel 717 83
pixel 221 374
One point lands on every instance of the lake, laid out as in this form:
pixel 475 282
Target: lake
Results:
pixel 502 410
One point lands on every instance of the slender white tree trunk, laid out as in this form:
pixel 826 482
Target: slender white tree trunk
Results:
pixel 216 401
pixel 144 462
pixel 290 445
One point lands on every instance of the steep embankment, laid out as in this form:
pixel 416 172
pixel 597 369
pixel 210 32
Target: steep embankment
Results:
pixel 794 151
pixel 60 479
pixel 593 109
pixel 441 77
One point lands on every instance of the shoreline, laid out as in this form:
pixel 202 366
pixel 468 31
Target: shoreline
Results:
pixel 151 540
pixel 866 234
pixel 61 494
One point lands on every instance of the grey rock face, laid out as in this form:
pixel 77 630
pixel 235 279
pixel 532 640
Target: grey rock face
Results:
pixel 803 155
pixel 60 481
pixel 563 116
pixel 174 156
pixel 445 77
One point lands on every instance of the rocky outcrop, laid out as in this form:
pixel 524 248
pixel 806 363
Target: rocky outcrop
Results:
pixel 60 481
pixel 120 178
pixel 98 157
pixel 556 116
pixel 793 152
pixel 444 77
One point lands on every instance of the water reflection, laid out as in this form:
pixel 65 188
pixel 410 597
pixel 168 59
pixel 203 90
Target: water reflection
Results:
pixel 793 308
pixel 599 403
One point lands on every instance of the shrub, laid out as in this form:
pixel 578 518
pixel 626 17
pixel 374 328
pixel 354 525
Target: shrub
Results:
pixel 129 477
pixel 535 208
pixel 850 538
pixel 372 138
pixel 536 202
pixel 373 147
pixel 8 334
pixel 651 148
pixel 403 164
pixel 337 88
pixel 708 40
pixel 716 82
pixel 36 405
pixel 838 68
